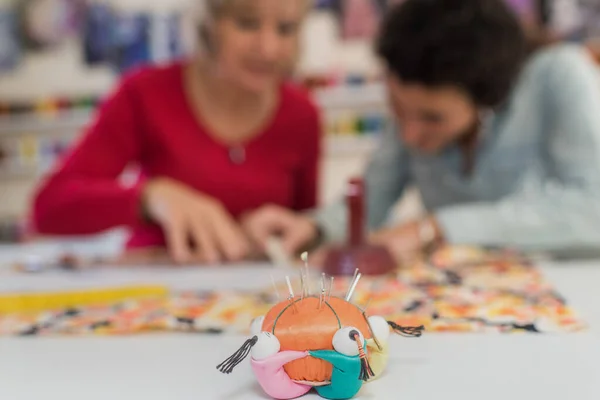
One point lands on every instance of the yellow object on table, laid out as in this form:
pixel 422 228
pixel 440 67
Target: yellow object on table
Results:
pixel 378 357
pixel 36 302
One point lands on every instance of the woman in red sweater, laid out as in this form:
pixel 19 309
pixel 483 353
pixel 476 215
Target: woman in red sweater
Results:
pixel 214 137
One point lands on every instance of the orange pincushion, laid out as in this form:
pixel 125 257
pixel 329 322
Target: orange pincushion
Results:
pixel 303 326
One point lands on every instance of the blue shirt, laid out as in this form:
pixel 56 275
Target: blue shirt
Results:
pixel 536 181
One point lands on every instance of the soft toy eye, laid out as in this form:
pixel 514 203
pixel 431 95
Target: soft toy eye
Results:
pixel 380 327
pixel 266 346
pixel 344 341
pixel 256 325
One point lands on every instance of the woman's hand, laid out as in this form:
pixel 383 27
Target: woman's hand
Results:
pixel 407 241
pixel 295 230
pixel 197 227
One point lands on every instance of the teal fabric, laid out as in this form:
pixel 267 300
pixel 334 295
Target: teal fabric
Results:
pixel 536 183
pixel 345 382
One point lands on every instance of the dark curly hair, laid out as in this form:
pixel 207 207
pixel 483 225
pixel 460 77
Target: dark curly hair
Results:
pixel 478 45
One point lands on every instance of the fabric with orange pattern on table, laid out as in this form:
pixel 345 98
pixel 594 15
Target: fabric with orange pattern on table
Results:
pixel 457 289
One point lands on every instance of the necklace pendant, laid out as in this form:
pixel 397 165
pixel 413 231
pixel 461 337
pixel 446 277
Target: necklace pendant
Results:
pixel 237 155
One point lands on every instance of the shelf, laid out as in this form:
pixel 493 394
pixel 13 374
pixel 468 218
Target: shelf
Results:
pixel 350 145
pixel 359 96
pixel 24 174
pixel 39 123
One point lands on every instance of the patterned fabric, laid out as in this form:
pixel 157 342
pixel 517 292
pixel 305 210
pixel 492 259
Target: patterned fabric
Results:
pixel 455 290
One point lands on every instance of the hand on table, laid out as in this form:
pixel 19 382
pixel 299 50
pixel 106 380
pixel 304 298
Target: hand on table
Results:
pixel 197 227
pixel 407 241
pixel 295 230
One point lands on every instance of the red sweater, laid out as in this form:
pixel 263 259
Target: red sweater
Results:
pixel 148 122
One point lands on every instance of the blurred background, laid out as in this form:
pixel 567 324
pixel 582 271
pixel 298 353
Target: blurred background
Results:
pixel 59 58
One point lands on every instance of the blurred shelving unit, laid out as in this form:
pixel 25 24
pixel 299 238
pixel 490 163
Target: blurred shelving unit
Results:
pixel 348 141
pixel 342 106
pixel 31 143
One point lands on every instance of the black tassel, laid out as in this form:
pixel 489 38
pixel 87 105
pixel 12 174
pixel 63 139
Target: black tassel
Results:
pixel 409 331
pixel 228 365
pixel 366 372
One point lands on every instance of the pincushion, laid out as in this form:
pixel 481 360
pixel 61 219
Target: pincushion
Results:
pixel 317 342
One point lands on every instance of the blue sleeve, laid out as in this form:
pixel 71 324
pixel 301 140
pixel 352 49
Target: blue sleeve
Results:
pixel 559 209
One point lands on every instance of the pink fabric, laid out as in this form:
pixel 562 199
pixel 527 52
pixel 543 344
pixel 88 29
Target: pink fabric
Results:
pixel 274 380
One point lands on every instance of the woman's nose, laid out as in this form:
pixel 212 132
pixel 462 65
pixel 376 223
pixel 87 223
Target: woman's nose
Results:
pixel 411 133
pixel 268 44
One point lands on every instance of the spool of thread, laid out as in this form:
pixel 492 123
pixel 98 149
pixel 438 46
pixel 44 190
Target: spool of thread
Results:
pixel 46 107
pixel 346 124
pixel 4 109
pixel 63 104
pixel 373 123
pixel 360 127
pixel 355 80
pixel 19 108
pixel 28 150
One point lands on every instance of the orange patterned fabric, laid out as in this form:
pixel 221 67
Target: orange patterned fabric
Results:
pixel 455 290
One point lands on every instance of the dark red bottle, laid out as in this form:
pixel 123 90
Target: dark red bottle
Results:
pixel 357 253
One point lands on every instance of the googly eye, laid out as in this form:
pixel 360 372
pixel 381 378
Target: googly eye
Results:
pixel 256 325
pixel 380 327
pixel 266 346
pixel 344 341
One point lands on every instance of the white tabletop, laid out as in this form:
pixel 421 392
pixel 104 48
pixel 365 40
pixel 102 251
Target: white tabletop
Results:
pixel 436 366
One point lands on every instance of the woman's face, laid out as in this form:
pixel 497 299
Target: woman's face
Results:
pixel 256 42
pixel 431 118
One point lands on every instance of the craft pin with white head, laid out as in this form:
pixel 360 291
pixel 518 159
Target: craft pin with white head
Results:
pixel 304 257
pixel 330 289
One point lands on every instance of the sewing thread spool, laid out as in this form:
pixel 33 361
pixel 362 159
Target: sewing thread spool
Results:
pixel 357 253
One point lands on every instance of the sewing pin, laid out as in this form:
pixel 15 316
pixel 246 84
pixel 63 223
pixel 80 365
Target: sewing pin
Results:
pixel 302 284
pixel 330 288
pixel 322 295
pixel 291 297
pixel 352 281
pixel 351 291
pixel 289 285
pixel 304 257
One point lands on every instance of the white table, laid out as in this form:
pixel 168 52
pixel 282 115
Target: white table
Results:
pixel 182 367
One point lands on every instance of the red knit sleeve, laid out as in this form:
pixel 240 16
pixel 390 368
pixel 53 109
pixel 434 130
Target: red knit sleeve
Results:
pixel 307 178
pixel 83 195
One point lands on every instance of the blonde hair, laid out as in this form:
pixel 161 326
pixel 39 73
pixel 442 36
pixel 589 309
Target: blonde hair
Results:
pixel 211 10
pixel 215 8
